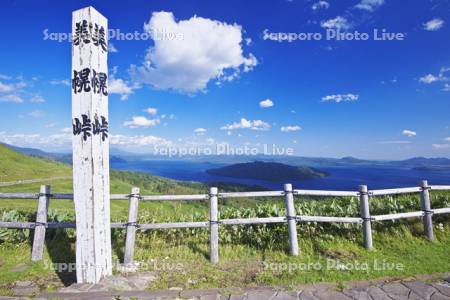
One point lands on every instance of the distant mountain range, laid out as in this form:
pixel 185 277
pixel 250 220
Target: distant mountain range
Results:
pixel 116 155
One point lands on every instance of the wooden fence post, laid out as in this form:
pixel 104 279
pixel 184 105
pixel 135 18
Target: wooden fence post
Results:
pixel 426 208
pixel 291 219
pixel 213 226
pixel 131 226
pixel 41 223
pixel 90 145
pixel 365 215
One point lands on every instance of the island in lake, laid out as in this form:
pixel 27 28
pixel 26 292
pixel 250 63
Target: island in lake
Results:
pixel 268 171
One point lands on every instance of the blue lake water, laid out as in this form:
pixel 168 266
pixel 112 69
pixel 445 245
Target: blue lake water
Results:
pixel 340 178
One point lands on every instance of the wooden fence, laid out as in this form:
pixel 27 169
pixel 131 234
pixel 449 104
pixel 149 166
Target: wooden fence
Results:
pixel 291 218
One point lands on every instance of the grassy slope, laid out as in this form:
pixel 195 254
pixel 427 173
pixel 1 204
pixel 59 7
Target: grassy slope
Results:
pixel 15 166
pixel 241 263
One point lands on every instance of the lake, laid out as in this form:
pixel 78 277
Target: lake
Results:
pixel 340 178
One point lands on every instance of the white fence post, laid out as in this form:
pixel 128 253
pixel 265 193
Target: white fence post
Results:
pixel 131 226
pixel 365 215
pixel 213 226
pixel 41 223
pixel 426 208
pixel 291 219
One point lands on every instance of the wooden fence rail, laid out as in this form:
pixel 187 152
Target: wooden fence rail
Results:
pixel 291 218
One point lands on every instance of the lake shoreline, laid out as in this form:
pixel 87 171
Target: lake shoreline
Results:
pixel 340 177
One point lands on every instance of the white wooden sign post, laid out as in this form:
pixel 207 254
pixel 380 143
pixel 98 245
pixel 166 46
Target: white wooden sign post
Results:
pixel 91 145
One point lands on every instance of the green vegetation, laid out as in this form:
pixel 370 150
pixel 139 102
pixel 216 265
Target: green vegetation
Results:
pixel 249 255
pixel 269 171
pixel 15 166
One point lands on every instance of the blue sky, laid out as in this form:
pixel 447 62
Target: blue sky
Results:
pixel 225 76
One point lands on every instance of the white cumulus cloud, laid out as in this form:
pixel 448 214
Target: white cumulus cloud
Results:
pixel 200 131
pixel 112 48
pixel 442 76
pixel 11 98
pixel 433 24
pixel 247 124
pixel 320 5
pixel 65 82
pixel 12 91
pixel 202 50
pixel 290 128
pixel 36 113
pixel 369 5
pixel 119 86
pixel 152 111
pixel 339 23
pixel 429 78
pixel 340 98
pixel 37 99
pixel 139 121
pixel 446 87
pixel 66 130
pixel 409 133
pixel 266 103
pixel 6 88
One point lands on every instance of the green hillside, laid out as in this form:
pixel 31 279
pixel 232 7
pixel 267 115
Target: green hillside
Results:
pixel 15 166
